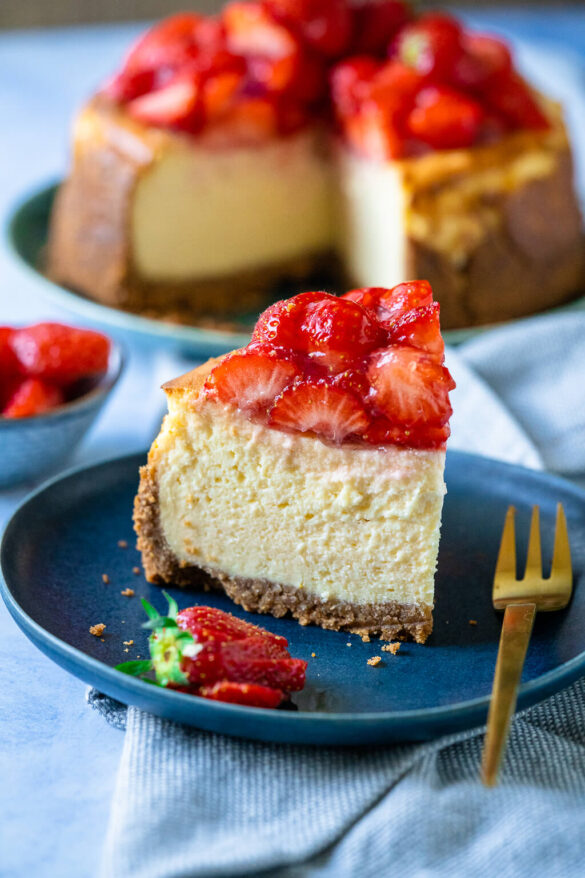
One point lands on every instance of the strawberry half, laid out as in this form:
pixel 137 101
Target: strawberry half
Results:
pixel 216 622
pixel 250 694
pixel 31 396
pixel 176 105
pixel 250 378
pixel 279 325
pixel 336 332
pixel 410 387
pixel 58 353
pixel 445 119
pixel 419 328
pixel 324 25
pixel 318 407
pixel 376 23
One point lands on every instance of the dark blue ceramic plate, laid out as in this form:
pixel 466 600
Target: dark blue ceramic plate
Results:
pixel 62 539
pixel 27 234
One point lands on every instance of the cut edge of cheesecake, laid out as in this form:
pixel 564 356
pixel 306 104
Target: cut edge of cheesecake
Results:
pixel 389 620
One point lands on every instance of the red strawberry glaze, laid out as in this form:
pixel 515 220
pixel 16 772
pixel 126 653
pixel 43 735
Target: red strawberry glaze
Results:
pixel 363 368
pixel 398 85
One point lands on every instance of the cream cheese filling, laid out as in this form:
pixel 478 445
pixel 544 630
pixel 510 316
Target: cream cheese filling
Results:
pixel 345 523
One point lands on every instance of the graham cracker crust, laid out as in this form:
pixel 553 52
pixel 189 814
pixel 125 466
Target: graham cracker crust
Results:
pixel 389 621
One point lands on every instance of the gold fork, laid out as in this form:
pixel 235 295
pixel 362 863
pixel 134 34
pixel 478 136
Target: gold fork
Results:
pixel 521 598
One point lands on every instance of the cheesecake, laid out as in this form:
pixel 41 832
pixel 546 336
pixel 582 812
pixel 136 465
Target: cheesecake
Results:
pixel 281 141
pixel 303 474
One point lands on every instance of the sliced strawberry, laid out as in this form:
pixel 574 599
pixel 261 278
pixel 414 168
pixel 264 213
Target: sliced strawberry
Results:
pixel 287 674
pixel 251 378
pixel 8 360
pixel 387 304
pixel 336 332
pixel 425 436
pixel 31 396
pixel 218 93
pixel 280 324
pixel 353 381
pixel 129 84
pixel 376 23
pixel 209 619
pixel 483 58
pixel 59 353
pixel 432 46
pixel 419 328
pixel 409 387
pixel 445 119
pixel 350 82
pixel 176 105
pixel 249 694
pixel 169 43
pixel 325 25
pixel 512 99
pixel 274 75
pixel 250 120
pixel 318 407
pixel 251 30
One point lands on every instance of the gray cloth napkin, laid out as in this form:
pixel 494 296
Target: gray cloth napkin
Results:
pixel 190 803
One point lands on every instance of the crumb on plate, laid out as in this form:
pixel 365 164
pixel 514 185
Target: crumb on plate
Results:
pixel 128 643
pixel 128 592
pixel 136 571
pixel 375 660
pixel 123 544
pixel 473 621
pixel 97 630
pixel 105 578
pixel 391 647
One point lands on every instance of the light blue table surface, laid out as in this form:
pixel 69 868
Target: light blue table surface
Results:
pixel 58 759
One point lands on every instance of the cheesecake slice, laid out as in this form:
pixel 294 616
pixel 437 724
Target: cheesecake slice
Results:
pixel 234 156
pixel 303 474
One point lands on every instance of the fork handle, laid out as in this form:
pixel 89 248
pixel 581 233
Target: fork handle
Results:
pixel 516 630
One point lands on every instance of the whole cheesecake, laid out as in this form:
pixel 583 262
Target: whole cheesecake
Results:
pixel 289 139
pixel 303 474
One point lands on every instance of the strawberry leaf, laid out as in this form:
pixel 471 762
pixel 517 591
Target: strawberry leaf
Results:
pixel 173 606
pixel 160 622
pixel 150 610
pixel 135 668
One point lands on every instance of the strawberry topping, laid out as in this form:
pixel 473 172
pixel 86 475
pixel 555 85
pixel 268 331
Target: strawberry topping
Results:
pixel 366 367
pixel 31 396
pixel 398 86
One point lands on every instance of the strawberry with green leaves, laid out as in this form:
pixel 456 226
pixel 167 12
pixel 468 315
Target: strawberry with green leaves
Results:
pixel 207 652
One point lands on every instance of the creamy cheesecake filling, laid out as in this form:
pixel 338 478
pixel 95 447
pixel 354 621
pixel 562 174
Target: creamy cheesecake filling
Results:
pixel 371 231
pixel 345 523
pixel 207 212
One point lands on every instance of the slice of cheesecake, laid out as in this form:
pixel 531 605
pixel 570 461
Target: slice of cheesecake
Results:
pixel 304 473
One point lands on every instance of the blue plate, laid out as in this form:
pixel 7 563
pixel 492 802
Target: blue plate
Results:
pixel 27 234
pixel 65 536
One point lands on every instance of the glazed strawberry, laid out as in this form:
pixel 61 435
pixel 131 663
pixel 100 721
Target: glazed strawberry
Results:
pixel 176 105
pixel 387 304
pixel 483 58
pixel 511 98
pixel 130 84
pixel 420 329
pixel 444 119
pixel 249 120
pixel 31 396
pixel 218 93
pixel 279 325
pixel 8 361
pixel 376 23
pixel 251 378
pixel 286 674
pixel 350 83
pixel 410 387
pixel 432 46
pixel 249 694
pixel 336 332
pixel 424 436
pixel 251 30
pixel 59 353
pixel 325 25
pixel 320 408
pixel 168 43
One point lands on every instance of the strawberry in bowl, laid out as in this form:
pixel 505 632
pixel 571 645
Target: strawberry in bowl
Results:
pixel 54 380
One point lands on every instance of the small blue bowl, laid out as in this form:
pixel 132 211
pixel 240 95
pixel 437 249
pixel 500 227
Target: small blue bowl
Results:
pixel 34 446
